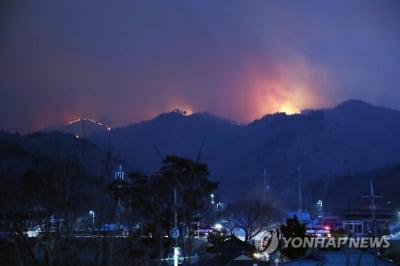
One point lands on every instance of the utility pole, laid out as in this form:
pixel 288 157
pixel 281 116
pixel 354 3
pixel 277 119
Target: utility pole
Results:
pixel 175 231
pixel 175 217
pixel 373 211
pixel 373 206
pixel 266 186
pixel 119 175
pixel 299 176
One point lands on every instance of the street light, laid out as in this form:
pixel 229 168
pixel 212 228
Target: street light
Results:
pixel 92 214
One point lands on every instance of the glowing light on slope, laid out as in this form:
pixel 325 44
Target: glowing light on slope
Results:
pixel 184 109
pixel 73 121
pixel 88 119
pixel 289 109
pixel 287 89
pixel 280 97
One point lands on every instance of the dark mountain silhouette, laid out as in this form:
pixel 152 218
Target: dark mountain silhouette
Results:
pixel 346 192
pixel 46 151
pixel 350 138
pixel 353 136
pixel 143 145
pixel 337 148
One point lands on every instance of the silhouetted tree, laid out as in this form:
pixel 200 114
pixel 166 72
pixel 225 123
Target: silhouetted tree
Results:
pixel 293 228
pixel 192 184
pixel 151 198
pixel 51 198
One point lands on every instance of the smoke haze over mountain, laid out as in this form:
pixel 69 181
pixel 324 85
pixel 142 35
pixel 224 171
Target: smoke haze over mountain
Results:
pixel 128 61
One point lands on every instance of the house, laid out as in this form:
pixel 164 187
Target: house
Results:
pixel 359 222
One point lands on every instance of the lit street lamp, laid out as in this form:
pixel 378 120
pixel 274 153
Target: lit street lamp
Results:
pixel 92 214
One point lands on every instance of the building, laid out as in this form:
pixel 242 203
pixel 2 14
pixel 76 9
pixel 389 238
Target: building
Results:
pixel 359 222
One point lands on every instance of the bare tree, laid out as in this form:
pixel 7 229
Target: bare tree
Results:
pixel 253 216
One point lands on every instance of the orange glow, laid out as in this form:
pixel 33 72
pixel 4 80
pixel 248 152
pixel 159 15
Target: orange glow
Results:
pixel 186 109
pixel 289 109
pixel 74 119
pixel 282 97
pixel 285 89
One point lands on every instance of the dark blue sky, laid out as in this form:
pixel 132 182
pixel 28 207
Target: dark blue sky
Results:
pixel 125 61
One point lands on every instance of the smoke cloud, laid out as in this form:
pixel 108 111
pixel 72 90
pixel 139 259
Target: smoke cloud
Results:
pixel 129 61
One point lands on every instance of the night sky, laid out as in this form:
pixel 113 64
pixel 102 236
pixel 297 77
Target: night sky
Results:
pixel 121 62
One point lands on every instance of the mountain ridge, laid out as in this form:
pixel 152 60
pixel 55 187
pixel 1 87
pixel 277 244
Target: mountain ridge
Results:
pixel 347 138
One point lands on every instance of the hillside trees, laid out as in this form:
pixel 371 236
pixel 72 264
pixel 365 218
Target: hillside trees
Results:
pixel 52 197
pixel 48 187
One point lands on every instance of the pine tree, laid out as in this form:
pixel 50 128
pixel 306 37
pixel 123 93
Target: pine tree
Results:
pixel 293 229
